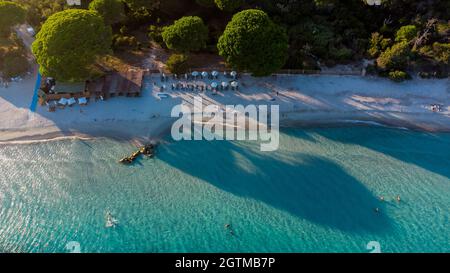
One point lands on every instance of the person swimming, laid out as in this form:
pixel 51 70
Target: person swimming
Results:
pixel 377 210
pixel 398 198
pixel 110 220
pixel 381 198
pixel 230 230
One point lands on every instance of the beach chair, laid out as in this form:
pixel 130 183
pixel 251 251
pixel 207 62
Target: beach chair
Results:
pixel 71 102
pixel 82 101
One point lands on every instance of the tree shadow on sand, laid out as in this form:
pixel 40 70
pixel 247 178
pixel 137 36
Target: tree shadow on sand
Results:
pixel 309 187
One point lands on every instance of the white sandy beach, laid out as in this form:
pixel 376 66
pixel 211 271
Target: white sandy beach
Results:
pixel 303 100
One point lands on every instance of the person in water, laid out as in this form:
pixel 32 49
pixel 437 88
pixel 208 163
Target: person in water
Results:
pixel 398 198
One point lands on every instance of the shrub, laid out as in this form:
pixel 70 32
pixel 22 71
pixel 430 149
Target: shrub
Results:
pixel 229 5
pixel 178 63
pixel 406 33
pixel 155 34
pixel 121 42
pixel 398 76
pixel 341 54
pixel 442 52
pixel 394 57
pixel 378 44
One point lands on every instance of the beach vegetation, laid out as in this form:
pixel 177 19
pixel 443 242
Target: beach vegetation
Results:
pixel 398 76
pixel 142 4
pixel 206 3
pixel 178 63
pixel 69 43
pixel 11 14
pixel 406 33
pixel 252 41
pixel 155 34
pixel 14 63
pixel 37 11
pixel 378 44
pixel 395 57
pixel 442 52
pixel 319 32
pixel 229 5
pixel 122 42
pixel 186 34
pixel 112 11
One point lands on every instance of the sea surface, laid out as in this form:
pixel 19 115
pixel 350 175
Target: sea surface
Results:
pixel 317 193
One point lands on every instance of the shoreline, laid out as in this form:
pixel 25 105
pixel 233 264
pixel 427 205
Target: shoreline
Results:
pixel 145 133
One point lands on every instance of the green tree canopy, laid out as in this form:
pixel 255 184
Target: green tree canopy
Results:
pixel 69 42
pixel 186 34
pixel 251 41
pixel 112 11
pixel 11 14
pixel 229 5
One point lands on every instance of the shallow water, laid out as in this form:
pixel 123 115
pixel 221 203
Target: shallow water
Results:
pixel 316 194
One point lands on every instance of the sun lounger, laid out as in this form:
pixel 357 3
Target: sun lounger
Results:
pixel 62 102
pixel 71 101
pixel 82 101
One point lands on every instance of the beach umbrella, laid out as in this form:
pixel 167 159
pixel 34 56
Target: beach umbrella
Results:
pixel 224 84
pixel 215 73
pixel 214 85
pixel 204 74
pixel 195 74
pixel 234 84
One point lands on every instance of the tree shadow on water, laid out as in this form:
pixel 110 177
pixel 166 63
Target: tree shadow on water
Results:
pixel 309 187
pixel 426 150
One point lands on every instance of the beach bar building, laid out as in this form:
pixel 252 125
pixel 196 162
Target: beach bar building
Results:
pixel 127 83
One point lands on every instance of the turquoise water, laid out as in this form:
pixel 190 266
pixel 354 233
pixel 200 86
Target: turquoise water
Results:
pixel 316 194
